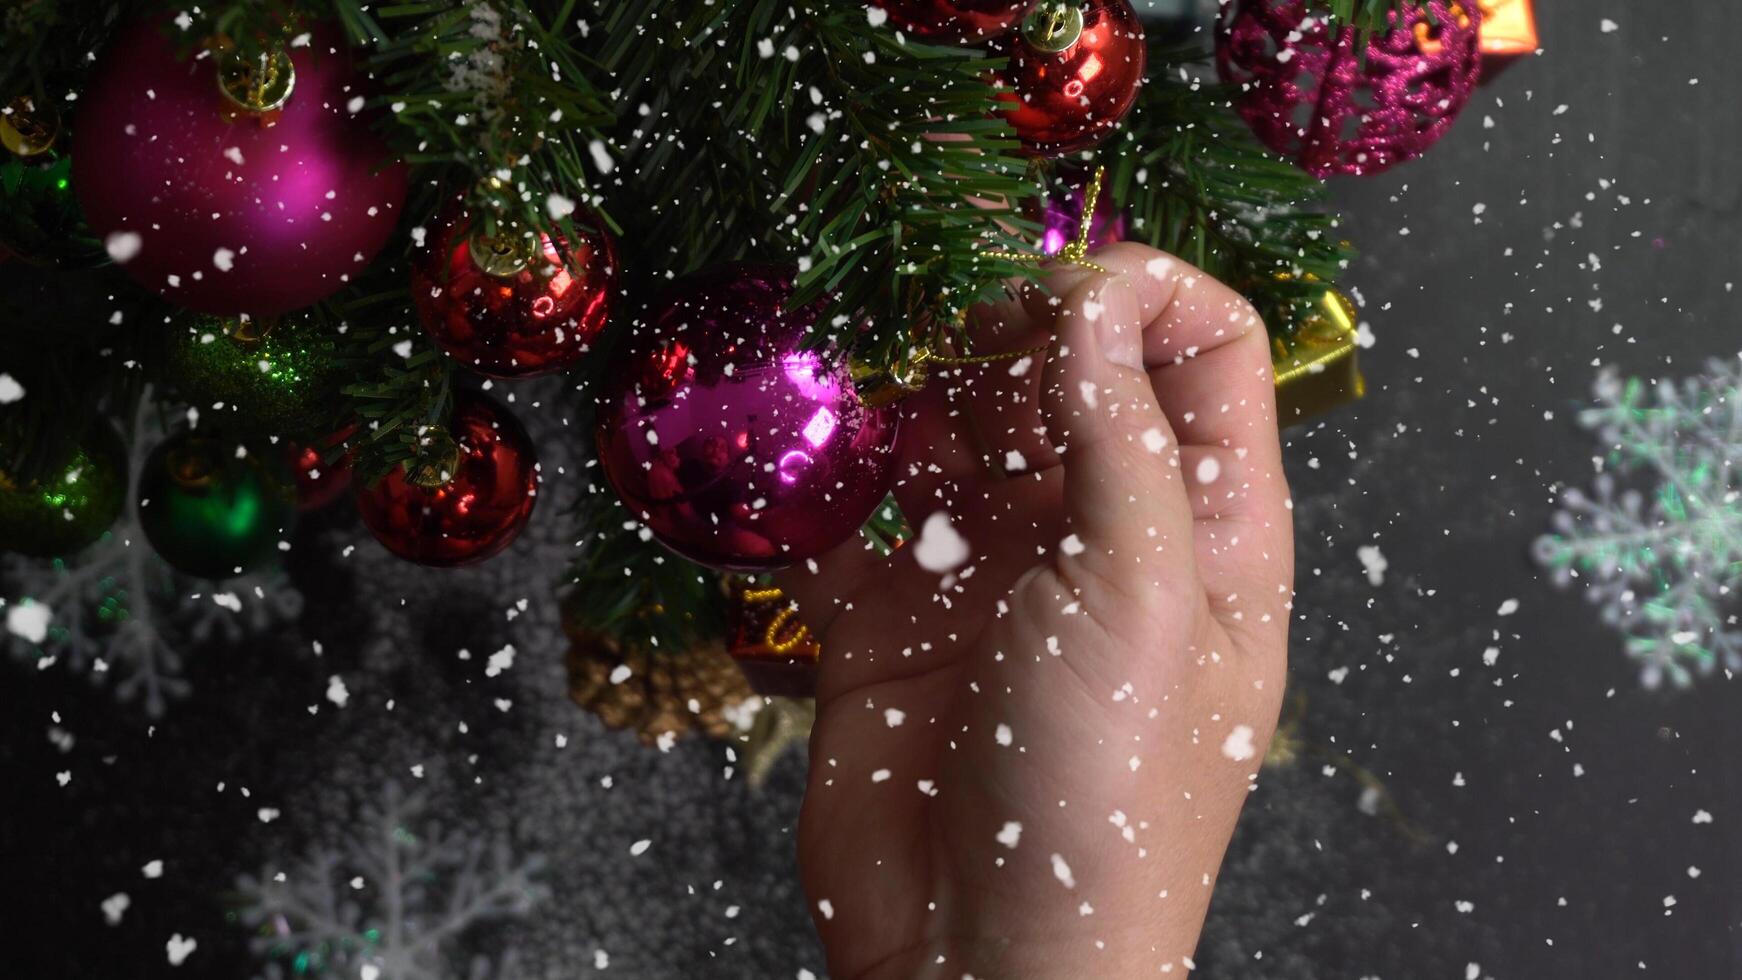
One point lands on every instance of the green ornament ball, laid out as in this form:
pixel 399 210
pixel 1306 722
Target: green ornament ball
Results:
pixel 209 511
pixel 40 220
pixel 274 376
pixel 57 515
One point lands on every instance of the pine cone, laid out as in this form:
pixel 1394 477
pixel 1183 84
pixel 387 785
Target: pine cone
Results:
pixel 655 693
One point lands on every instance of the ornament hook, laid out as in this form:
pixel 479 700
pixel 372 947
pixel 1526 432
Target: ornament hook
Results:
pixel 1053 26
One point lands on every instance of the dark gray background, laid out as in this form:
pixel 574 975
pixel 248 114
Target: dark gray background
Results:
pixel 1619 145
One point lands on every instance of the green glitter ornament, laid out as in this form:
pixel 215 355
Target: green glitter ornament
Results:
pixel 58 515
pixel 275 376
pixel 208 511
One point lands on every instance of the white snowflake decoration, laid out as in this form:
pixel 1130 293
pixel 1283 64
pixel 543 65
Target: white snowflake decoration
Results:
pixel 117 613
pixel 1657 541
pixel 390 900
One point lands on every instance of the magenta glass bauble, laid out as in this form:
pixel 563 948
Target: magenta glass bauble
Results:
pixel 1311 94
pixel 1061 215
pixel 220 209
pixel 738 449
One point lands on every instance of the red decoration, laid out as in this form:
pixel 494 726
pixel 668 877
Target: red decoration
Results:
pixel 1073 73
pixel 1312 94
pixel 738 448
pixel 774 648
pixel 318 482
pixel 953 21
pixel 486 500
pixel 222 209
pixel 507 310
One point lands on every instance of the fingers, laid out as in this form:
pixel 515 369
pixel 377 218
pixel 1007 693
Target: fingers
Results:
pixel 1123 492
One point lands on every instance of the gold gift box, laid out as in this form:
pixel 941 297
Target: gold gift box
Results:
pixel 1317 368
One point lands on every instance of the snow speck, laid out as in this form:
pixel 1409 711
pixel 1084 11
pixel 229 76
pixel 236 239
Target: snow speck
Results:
pixel 1062 871
pixel 1373 560
pixel 1072 545
pixel 1154 441
pixel 10 389
pixel 826 907
pixel 180 949
pixel 1238 745
pixel 602 161
pixel 940 549
pixel 1087 391
pixel 1015 462
pixel 880 776
pixel 267 814
pixel 500 661
pixel 1608 26
pixel 876 17
pixel 601 959
pixel 1508 607
pixel 1701 816
pixel 559 207
pixel 123 246
pixel 894 717
pixel 639 847
pixel 29 622
pixel 224 259
pixel 1160 267
pixel 152 869
pixel 1208 469
pixel 336 691
pixel 114 907
pixel 1003 735
pixel 1010 834
pixel 621 673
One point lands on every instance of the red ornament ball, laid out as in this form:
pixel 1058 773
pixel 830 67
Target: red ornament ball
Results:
pixel 953 21
pixel 319 482
pixel 222 209
pixel 491 481
pixel 737 448
pixel 1312 94
pixel 507 308
pixel 1073 73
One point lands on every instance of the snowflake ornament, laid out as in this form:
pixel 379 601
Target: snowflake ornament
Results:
pixel 1657 540
pixel 391 900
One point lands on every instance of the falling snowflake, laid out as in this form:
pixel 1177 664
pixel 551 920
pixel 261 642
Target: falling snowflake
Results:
pixel 1657 541
pixel 391 900
pixel 119 615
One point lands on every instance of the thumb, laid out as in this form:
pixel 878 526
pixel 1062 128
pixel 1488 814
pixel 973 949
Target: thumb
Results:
pixel 1125 500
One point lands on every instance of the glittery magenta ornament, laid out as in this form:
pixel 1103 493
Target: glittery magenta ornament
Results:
pixel 466 500
pixel 222 209
pixel 953 21
pixel 1062 217
pixel 1311 95
pixel 1073 73
pixel 737 448
pixel 509 309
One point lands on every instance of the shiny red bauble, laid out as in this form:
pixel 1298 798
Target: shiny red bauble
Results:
pixel 225 210
pixel 318 480
pixel 492 481
pixel 953 21
pixel 737 447
pixel 508 308
pixel 1073 73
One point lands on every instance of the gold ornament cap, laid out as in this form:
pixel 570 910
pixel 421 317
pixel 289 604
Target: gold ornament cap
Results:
pixel 503 255
pixel 259 84
pixel 27 129
pixel 1053 26
pixel 438 457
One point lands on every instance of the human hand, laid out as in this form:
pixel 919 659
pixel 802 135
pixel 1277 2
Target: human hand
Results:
pixel 1031 766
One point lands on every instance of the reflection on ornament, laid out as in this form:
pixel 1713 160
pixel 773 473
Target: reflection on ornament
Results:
pixel 1316 366
pixel 952 21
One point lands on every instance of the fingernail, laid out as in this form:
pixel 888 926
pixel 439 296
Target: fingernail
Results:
pixel 1118 327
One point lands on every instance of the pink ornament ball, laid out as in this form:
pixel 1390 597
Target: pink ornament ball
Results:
pixel 1308 94
pixel 223 210
pixel 736 446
